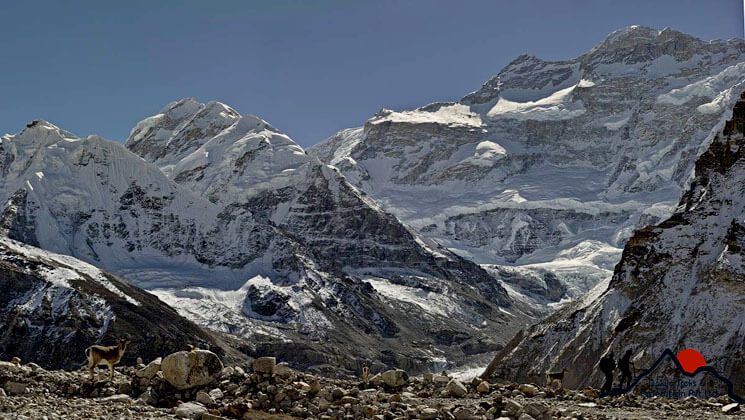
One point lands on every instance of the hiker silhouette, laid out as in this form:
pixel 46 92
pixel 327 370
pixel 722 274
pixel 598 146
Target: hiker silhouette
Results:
pixel 607 365
pixel 624 364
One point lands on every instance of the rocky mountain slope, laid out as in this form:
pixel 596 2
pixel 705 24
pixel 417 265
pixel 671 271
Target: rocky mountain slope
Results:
pixel 54 306
pixel 545 171
pixel 251 237
pixel 679 284
pixel 245 166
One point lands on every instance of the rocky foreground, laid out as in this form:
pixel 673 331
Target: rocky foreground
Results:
pixel 195 385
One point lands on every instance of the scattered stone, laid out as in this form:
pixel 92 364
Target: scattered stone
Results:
pixel 463 413
pixel 205 398
pixel 150 370
pixel 442 379
pixel 149 397
pixel 483 387
pixel 189 369
pixel 283 370
pixel 15 388
pixel 190 410
pixel 428 413
pixel 216 394
pixel 588 405
pixel 264 365
pixel 118 398
pixel 731 408
pixel 529 389
pixel 456 389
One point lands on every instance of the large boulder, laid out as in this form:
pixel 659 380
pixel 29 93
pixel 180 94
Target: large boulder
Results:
pixel 189 369
pixel 264 365
pixel 395 378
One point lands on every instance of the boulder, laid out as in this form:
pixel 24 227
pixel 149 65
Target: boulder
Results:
pixel 264 365
pixel 395 378
pixel 529 389
pixel 15 388
pixel 455 388
pixel 190 410
pixel 483 387
pixel 150 370
pixel 189 369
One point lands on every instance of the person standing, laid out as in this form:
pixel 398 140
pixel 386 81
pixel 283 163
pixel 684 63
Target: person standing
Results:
pixel 607 365
pixel 624 365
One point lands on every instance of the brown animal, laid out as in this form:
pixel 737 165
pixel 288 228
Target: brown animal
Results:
pixel 552 377
pixel 365 373
pixel 106 355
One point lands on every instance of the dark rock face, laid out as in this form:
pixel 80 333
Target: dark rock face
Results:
pixel 678 285
pixel 53 307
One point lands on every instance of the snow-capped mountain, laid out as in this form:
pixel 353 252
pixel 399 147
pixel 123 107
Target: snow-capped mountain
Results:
pixel 251 236
pixel 246 167
pixel 54 306
pixel 545 171
pixel 679 285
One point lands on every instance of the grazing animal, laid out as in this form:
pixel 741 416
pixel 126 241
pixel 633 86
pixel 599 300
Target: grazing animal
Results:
pixel 365 373
pixel 106 355
pixel 552 377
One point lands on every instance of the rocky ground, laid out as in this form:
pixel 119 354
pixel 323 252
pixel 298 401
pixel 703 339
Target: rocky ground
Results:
pixel 195 385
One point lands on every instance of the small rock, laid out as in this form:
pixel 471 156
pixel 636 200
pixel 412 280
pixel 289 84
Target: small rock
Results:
pixel 301 386
pixel 190 410
pixel 216 394
pixel 731 408
pixel 205 398
pixel 15 388
pixel 483 387
pixel 456 389
pixel 264 365
pixel 208 416
pixel 149 397
pixel 124 388
pixel 283 370
pixel 525 416
pixel 376 380
pixel 441 379
pixel 428 377
pixel 2 393
pixel 139 361
pixel 118 398
pixel 16 361
pixel 150 370
pixel 588 405
pixel 512 407
pixel 463 413
pixel 428 413
pixel 529 389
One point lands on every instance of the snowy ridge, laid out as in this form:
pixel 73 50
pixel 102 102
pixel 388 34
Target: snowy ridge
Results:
pixel 587 149
pixel 677 285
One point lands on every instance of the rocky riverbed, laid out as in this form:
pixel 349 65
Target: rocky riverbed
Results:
pixel 266 390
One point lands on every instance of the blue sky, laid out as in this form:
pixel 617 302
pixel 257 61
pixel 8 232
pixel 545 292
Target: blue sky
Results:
pixel 308 67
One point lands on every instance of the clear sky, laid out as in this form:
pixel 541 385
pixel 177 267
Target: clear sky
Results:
pixel 308 67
